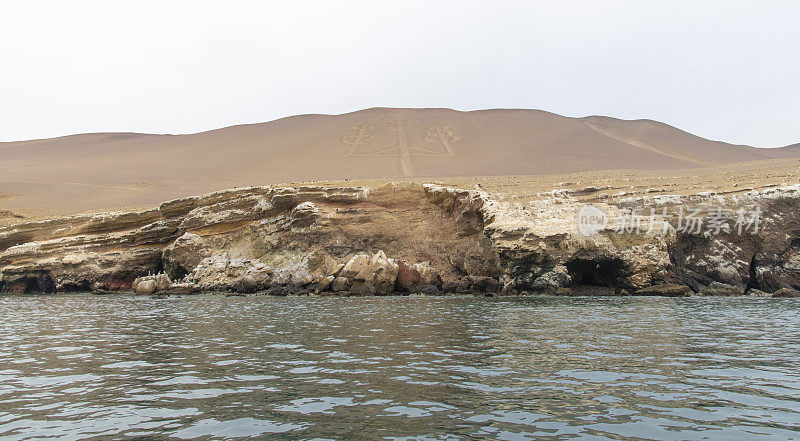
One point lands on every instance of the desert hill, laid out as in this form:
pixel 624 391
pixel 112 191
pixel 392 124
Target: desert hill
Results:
pixel 101 171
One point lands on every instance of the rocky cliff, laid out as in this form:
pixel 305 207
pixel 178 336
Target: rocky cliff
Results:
pixel 406 238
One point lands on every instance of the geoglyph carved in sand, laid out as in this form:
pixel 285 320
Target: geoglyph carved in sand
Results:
pixel 436 140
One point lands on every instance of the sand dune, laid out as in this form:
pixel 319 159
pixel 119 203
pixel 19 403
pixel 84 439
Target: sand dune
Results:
pixel 102 171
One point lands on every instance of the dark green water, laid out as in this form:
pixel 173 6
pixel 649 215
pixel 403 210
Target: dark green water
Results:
pixel 211 367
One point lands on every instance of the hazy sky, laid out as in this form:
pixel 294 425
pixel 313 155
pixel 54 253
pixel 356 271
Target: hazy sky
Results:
pixel 727 70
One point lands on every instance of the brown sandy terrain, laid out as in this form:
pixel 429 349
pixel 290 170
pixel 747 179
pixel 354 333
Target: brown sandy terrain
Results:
pixel 516 152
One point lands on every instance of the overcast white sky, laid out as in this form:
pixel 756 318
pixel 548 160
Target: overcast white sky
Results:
pixel 727 70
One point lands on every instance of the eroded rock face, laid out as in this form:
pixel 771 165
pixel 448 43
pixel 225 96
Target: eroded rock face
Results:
pixel 340 284
pixel 417 277
pixel 535 240
pixel 223 273
pixel 184 254
pixel 355 266
pixel 407 276
pixel 556 278
pixel 402 238
pixel 378 276
pixel 766 260
pixel 540 249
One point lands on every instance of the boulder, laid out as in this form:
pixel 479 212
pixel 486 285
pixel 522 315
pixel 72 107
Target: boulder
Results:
pixel 325 283
pixel 665 290
pixel 151 284
pixel 718 289
pixel 147 287
pixel 752 292
pixel 223 273
pixel 378 276
pixel 163 282
pixel 340 284
pixel 556 278
pixel 308 279
pixel 786 293
pixel 428 274
pixel 355 265
pixel 407 276
pixel 318 265
pixel 411 277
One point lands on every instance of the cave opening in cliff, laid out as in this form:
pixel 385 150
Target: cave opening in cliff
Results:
pixel 603 272
pixel 82 286
pixel 39 284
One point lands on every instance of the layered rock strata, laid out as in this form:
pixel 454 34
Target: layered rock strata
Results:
pixel 411 238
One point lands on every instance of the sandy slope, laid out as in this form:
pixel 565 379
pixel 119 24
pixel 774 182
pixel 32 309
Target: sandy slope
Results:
pixel 106 171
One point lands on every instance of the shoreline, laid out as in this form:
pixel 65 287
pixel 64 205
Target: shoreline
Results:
pixel 398 295
pixel 416 238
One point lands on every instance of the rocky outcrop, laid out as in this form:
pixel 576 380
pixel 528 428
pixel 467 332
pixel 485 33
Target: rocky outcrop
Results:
pixel 417 277
pixel 279 240
pixel 367 274
pixel 221 272
pixel 152 284
pixel 541 247
pixel 409 238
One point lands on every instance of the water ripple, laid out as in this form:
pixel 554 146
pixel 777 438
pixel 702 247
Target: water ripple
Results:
pixel 210 367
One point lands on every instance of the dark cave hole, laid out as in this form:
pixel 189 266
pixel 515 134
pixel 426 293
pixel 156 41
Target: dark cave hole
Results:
pixel 603 272
pixel 39 284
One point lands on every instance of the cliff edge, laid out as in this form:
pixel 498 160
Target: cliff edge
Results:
pixel 419 238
